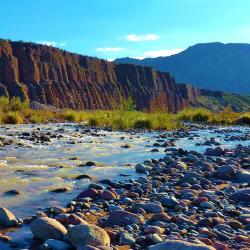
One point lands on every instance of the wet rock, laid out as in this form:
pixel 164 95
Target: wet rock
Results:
pixel 123 218
pixel 12 192
pixel 60 190
pixel 82 235
pixel 90 192
pixel 180 245
pixel 141 168
pixel 57 244
pixel 84 176
pixel 7 219
pixel 217 151
pixel 47 228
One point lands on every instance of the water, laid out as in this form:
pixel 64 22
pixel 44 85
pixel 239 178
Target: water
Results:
pixel 34 169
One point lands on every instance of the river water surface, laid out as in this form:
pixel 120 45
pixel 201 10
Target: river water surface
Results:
pixel 34 169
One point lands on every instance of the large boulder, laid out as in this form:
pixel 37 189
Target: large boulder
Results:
pixel 46 228
pixel 123 218
pixel 82 235
pixel 180 245
pixel 7 219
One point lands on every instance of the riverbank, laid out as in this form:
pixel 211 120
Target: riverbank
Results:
pixel 187 195
pixel 13 111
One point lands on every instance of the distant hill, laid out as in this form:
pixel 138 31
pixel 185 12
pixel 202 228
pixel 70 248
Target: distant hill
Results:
pixel 215 66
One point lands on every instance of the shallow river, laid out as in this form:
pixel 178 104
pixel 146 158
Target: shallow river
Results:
pixel 34 169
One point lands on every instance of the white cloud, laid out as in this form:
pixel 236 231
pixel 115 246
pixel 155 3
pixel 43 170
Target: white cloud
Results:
pixel 48 43
pixel 110 59
pixel 139 38
pixel 62 44
pixel 109 49
pixel 157 53
pixel 51 43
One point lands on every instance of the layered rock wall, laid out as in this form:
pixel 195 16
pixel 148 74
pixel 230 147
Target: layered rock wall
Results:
pixel 55 77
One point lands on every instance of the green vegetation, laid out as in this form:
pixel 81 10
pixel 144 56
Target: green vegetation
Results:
pixel 14 111
pixel 239 103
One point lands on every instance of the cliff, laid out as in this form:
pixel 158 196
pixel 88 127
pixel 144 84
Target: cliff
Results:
pixel 55 77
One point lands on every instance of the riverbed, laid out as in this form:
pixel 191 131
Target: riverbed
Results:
pixel 35 168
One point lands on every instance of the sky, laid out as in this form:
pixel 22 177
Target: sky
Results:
pixel 112 29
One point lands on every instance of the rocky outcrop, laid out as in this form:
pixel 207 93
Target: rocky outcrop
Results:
pixel 55 77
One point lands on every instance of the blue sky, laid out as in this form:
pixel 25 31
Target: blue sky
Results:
pixel 118 28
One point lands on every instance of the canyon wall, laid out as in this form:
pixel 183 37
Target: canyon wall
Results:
pixel 66 80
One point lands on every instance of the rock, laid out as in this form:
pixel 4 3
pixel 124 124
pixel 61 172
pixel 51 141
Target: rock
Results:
pixel 169 201
pixel 141 168
pixel 73 219
pixel 180 245
pixel 227 170
pixel 90 192
pixel 206 204
pixel 82 235
pixel 123 218
pixel 153 229
pixel 148 207
pixel 126 239
pixel 46 228
pixel 7 219
pixel 12 192
pixel 218 151
pixel 243 176
pixel 58 244
pixel 60 190
pixel 107 195
pixel 242 195
pixel 84 176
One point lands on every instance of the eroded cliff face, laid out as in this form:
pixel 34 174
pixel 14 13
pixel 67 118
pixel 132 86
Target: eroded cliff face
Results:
pixel 55 77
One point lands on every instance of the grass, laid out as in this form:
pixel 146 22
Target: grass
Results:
pixel 14 111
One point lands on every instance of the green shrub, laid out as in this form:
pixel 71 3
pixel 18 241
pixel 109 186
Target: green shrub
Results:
pixel 128 104
pixel 143 123
pixel 93 122
pixel 15 104
pixel 200 117
pixel 13 118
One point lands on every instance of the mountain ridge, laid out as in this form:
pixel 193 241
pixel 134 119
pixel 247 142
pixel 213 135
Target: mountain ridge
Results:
pixel 215 66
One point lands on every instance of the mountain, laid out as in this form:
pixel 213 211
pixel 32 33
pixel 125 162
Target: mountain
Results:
pixel 215 66
pixel 51 76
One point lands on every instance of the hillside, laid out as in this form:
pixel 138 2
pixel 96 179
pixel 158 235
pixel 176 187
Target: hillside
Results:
pixel 215 66
pixel 55 77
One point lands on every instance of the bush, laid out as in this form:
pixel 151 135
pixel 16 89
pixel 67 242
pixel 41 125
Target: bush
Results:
pixel 15 104
pixel 143 123
pixel 200 117
pixel 13 118
pixel 128 104
pixel 93 122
